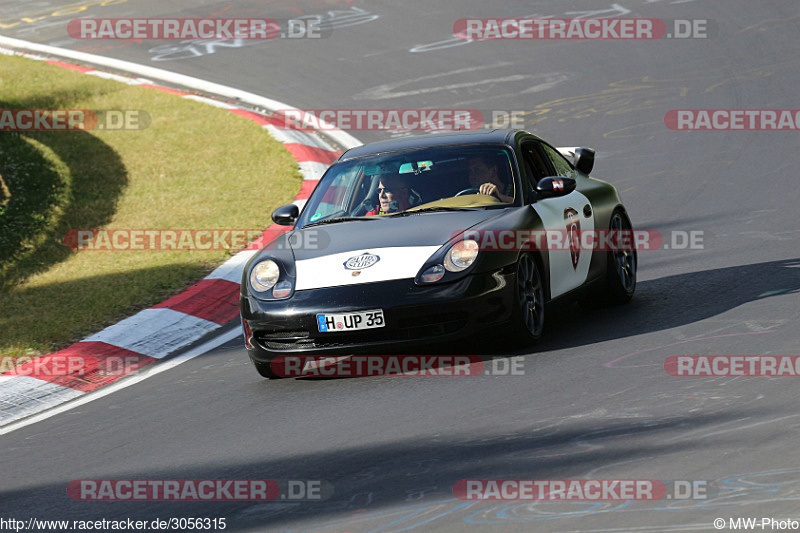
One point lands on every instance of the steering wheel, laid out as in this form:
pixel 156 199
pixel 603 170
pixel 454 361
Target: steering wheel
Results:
pixel 365 206
pixel 471 190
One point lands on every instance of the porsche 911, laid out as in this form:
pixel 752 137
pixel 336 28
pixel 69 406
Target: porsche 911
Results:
pixel 434 238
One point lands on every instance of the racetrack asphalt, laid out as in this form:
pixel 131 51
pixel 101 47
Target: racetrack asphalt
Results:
pixel 594 400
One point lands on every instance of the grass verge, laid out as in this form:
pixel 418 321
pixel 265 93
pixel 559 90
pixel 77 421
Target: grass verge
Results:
pixel 194 167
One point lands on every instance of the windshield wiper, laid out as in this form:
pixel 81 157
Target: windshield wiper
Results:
pixel 338 219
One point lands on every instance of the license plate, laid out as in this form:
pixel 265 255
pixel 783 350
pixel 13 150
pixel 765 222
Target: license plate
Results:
pixel 354 321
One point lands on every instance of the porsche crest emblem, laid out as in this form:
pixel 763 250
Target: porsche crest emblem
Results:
pixel 573 222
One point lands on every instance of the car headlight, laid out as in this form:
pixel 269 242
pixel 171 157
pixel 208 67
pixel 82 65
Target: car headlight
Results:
pixel 264 275
pixel 461 255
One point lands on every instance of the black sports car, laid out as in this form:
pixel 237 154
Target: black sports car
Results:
pixel 435 237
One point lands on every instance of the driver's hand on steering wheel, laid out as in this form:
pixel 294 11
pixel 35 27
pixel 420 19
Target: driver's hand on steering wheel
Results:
pixel 490 189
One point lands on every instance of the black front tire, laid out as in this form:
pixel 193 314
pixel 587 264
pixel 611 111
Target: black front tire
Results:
pixel 528 314
pixel 621 266
pixel 619 283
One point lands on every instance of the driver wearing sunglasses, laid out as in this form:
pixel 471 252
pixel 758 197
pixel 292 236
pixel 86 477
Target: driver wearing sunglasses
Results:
pixel 393 195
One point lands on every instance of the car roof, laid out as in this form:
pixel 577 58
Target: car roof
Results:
pixel 502 136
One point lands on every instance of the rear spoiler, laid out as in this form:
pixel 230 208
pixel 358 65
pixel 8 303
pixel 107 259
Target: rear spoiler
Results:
pixel 582 158
pixel 568 151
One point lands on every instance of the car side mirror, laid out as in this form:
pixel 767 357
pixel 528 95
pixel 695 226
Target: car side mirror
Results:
pixel 584 160
pixel 555 186
pixel 286 215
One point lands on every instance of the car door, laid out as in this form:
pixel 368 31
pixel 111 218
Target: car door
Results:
pixel 564 218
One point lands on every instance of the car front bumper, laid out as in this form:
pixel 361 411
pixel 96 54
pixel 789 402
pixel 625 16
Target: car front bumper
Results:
pixel 413 314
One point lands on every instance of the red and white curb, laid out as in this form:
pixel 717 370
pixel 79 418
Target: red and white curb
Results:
pixel 206 306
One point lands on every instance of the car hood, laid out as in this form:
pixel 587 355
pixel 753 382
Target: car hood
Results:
pixel 426 229
pixel 379 249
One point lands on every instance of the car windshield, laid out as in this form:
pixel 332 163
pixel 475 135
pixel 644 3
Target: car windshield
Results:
pixel 414 181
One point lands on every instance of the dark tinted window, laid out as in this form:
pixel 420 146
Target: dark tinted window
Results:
pixel 535 166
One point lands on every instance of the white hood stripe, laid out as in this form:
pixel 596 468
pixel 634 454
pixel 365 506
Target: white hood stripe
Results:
pixel 329 271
